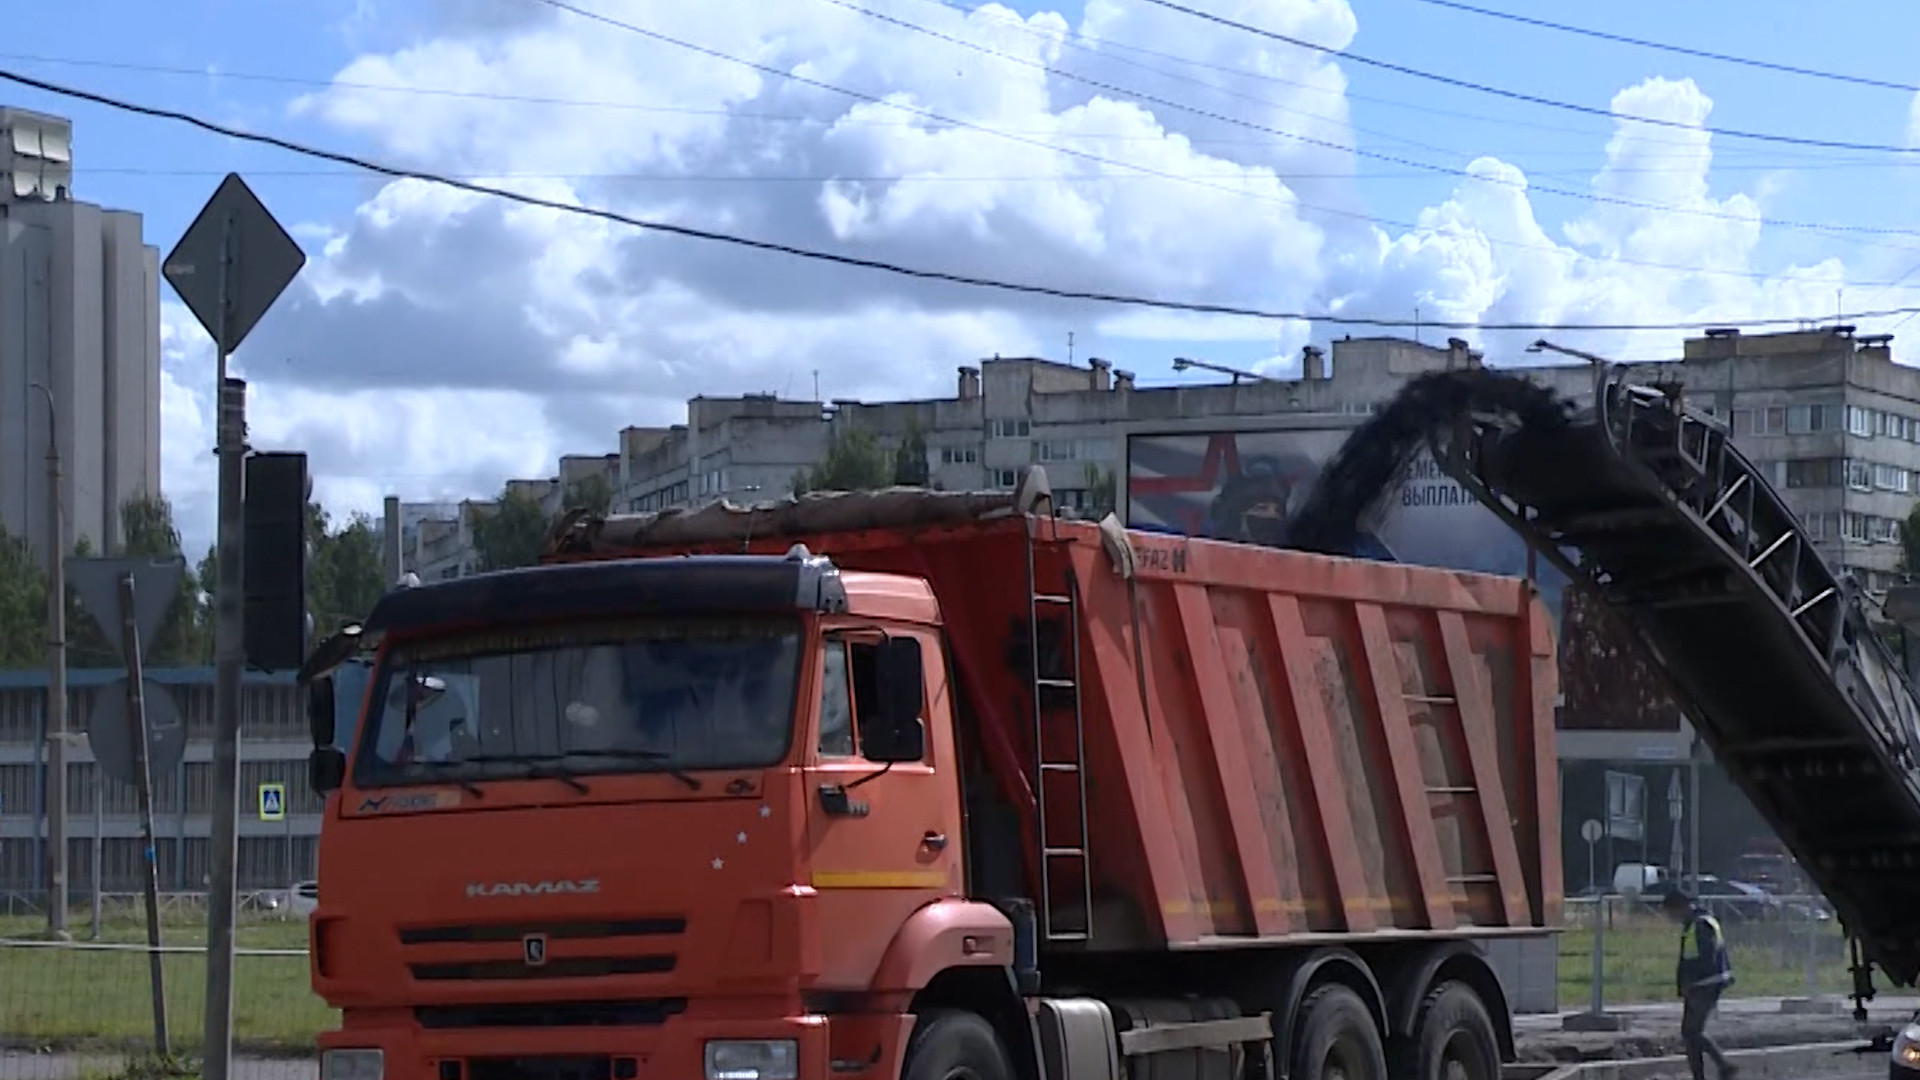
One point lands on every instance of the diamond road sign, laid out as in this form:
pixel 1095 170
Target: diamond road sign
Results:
pixel 97 583
pixel 233 262
pixel 111 736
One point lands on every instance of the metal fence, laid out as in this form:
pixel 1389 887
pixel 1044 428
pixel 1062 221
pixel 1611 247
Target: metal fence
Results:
pixel 1789 947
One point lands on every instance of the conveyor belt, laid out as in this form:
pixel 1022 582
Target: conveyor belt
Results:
pixel 1646 501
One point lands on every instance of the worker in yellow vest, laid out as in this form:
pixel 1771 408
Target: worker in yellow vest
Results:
pixel 1704 972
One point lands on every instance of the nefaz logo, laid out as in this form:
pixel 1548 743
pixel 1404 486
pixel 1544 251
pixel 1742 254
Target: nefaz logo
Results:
pixel 533 888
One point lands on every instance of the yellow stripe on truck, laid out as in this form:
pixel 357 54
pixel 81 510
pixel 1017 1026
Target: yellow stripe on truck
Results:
pixel 879 879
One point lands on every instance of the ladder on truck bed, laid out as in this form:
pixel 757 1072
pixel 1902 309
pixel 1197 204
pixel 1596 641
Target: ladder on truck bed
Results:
pixel 1064 867
pixel 1646 502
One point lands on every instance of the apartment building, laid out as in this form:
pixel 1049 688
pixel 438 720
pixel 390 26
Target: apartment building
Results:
pixel 1834 419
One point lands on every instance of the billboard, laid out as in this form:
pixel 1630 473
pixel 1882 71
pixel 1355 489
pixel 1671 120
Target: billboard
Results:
pixel 1243 485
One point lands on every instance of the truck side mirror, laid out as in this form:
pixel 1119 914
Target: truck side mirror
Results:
pixel 320 710
pixel 326 769
pixel 897 734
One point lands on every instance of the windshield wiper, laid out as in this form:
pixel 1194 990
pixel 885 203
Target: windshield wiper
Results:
pixel 692 782
pixel 464 784
pixel 687 778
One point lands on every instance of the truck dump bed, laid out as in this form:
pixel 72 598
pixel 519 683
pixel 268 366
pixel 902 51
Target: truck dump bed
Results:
pixel 1205 743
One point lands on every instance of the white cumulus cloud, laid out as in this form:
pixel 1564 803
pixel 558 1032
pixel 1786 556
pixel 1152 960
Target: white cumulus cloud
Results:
pixel 440 341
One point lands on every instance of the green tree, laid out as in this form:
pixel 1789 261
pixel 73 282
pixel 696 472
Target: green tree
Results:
pixel 512 533
pixel 593 493
pixel 347 575
pixel 1910 541
pixel 854 461
pixel 23 605
pixel 910 467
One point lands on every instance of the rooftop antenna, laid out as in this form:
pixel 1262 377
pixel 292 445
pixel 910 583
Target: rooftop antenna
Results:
pixel 1069 348
pixel 1416 324
pixel 816 384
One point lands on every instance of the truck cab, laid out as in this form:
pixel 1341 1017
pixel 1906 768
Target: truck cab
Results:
pixel 602 813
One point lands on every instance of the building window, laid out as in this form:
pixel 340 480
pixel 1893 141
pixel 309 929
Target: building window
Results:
pixel 1891 478
pixel 1813 473
pixel 959 455
pixel 1054 450
pixel 1807 419
pixel 1096 449
pixel 1008 429
pixel 1006 478
pixel 1859 475
pixel 1859 421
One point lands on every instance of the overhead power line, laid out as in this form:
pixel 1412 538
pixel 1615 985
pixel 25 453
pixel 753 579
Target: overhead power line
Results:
pixel 1679 50
pixel 1805 161
pixel 1517 95
pixel 889 103
pixel 692 232
pixel 1394 159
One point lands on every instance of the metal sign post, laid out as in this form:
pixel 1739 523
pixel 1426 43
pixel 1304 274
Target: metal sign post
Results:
pixel 143 780
pixel 229 267
pixel 1596 1018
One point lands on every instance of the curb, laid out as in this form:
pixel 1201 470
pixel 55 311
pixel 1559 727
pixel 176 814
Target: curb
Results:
pixel 1776 1062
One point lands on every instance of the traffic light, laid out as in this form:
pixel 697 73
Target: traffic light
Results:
pixel 275 549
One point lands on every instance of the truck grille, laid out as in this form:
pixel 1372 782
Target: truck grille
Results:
pixel 514 931
pixel 532 959
pixel 640 1012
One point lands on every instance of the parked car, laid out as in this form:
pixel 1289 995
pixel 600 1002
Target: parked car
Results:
pixel 1737 899
pixel 303 898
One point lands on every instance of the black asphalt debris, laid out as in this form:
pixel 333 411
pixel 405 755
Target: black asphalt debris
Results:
pixel 1375 458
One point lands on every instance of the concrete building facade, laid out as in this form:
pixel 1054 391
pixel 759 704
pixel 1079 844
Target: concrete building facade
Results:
pixel 1832 417
pixel 274 746
pixel 80 332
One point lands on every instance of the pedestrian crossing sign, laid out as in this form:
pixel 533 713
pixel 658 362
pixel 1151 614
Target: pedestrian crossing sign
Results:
pixel 273 802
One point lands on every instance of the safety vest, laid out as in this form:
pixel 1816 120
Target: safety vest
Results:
pixel 1710 964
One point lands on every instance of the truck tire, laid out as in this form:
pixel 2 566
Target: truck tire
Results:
pixel 1338 1038
pixel 950 1044
pixel 1453 1038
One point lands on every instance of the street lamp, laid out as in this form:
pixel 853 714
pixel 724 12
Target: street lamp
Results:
pixel 56 680
pixel 1182 363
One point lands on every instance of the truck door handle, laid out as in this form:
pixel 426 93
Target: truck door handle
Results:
pixel 934 840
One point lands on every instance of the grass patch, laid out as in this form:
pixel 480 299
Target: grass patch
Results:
pixel 80 998
pixel 1769 960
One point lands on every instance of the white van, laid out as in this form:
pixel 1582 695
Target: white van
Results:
pixel 1632 879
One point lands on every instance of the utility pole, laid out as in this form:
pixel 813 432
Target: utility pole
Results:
pixel 229 267
pixel 56 680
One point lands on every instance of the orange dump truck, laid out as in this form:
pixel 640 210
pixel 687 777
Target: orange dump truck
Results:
pixel 926 786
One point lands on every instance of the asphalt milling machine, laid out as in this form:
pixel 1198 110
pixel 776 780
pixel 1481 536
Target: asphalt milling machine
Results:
pixel 1644 500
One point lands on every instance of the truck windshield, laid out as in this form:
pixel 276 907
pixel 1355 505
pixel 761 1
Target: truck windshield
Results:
pixel 640 695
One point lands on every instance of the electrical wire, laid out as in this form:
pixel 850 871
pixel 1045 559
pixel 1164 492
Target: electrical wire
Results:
pixel 885 102
pixel 1445 170
pixel 1800 162
pixel 1678 50
pixel 776 247
pixel 1517 95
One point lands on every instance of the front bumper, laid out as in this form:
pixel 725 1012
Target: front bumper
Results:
pixel 674 1050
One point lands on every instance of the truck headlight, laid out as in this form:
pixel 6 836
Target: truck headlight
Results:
pixel 353 1065
pixel 1906 1047
pixel 744 1059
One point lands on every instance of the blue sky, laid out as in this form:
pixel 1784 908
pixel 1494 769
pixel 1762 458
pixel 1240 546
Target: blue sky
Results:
pixel 165 170
pixel 608 337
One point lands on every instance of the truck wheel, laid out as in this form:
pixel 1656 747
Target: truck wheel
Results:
pixel 1454 1037
pixel 1338 1040
pixel 949 1044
